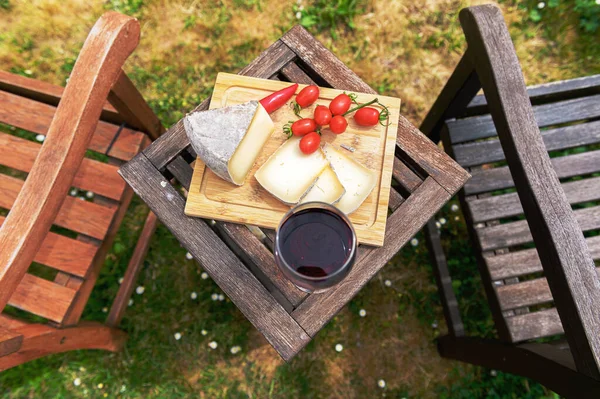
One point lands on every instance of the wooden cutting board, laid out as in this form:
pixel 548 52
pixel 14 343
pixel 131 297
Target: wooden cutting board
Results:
pixel 214 198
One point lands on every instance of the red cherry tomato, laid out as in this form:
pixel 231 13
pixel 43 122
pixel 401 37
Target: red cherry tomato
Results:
pixel 307 96
pixel 310 143
pixel 338 124
pixel 340 104
pixel 303 126
pixel 367 116
pixel 322 115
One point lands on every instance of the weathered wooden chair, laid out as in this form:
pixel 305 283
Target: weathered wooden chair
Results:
pixel 549 291
pixel 52 245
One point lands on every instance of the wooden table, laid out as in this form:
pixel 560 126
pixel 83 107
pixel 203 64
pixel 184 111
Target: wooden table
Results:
pixel 425 178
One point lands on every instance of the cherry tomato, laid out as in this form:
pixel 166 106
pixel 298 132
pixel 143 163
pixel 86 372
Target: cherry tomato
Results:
pixel 338 124
pixel 367 116
pixel 340 104
pixel 322 115
pixel 307 96
pixel 303 126
pixel 310 143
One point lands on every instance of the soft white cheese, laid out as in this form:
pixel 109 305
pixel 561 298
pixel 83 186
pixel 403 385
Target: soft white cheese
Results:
pixel 228 140
pixel 289 173
pixel 356 179
pixel 327 188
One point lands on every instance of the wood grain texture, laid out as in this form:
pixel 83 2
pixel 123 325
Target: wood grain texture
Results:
pixel 482 152
pixel 98 177
pixel 481 127
pixel 130 104
pixel 46 93
pixel 567 262
pixel 225 269
pixel 42 297
pixel 212 197
pixel 17 111
pixel 170 144
pixel 548 92
pixel 10 341
pixel 295 74
pixel 544 323
pixel 522 360
pixel 405 177
pixel 40 340
pixel 318 309
pixel 507 205
pixel 460 89
pixel 64 253
pixel 484 180
pixel 527 261
pixel 518 233
pixel 75 214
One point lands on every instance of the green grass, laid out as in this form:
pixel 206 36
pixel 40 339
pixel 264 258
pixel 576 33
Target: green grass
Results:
pixel 408 51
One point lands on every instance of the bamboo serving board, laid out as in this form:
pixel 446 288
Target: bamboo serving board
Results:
pixel 212 197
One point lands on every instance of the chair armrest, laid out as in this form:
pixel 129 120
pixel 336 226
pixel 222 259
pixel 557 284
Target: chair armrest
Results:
pixel 98 66
pixel 565 256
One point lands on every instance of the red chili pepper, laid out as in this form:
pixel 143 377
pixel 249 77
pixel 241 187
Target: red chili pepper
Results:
pixel 276 100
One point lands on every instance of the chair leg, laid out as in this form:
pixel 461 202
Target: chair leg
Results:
pixel 539 364
pixel 134 267
pixel 443 280
pixel 41 340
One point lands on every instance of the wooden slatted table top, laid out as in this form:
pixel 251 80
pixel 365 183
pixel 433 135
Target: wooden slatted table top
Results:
pixel 424 179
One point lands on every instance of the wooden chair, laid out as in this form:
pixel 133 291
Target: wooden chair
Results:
pixel 549 291
pixel 52 245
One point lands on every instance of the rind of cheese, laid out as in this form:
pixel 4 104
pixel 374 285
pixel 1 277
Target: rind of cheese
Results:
pixel 356 179
pixel 327 188
pixel 228 140
pixel 289 173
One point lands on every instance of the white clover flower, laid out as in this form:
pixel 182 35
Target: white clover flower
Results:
pixel 177 336
pixel 40 138
pixel 456 218
pixel 598 2
pixel 298 15
pixel 204 276
pixel 381 383
pixel 438 225
pixel 387 283
pixel 130 302
pixel 434 325
pixel 163 184
pixel 82 198
pixel 454 208
pixel 89 194
pixel 189 256
pixel 82 369
pixel 213 345
pixel 193 295
pixel 100 386
pixel 123 388
pixel 120 280
pixel 77 382
pixel 73 192
pixel 235 349
pixel 140 290
pixel 442 220
pixel 28 72
pixel 541 5
pixel 221 297
pixel 362 313
pixel 339 347
pixel 214 297
pixel 480 225
pixel 493 373
pixel 104 309
pixel 414 242
pixel 203 332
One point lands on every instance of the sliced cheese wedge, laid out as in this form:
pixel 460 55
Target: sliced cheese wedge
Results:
pixel 356 179
pixel 228 140
pixel 289 173
pixel 327 188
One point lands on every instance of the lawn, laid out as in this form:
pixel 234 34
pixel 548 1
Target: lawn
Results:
pixel 402 48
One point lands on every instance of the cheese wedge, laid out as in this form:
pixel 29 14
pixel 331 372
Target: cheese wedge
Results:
pixel 326 189
pixel 356 179
pixel 289 173
pixel 228 140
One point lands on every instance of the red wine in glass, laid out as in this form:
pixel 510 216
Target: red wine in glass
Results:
pixel 315 246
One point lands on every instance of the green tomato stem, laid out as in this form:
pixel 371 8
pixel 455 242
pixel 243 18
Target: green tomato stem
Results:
pixel 361 106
